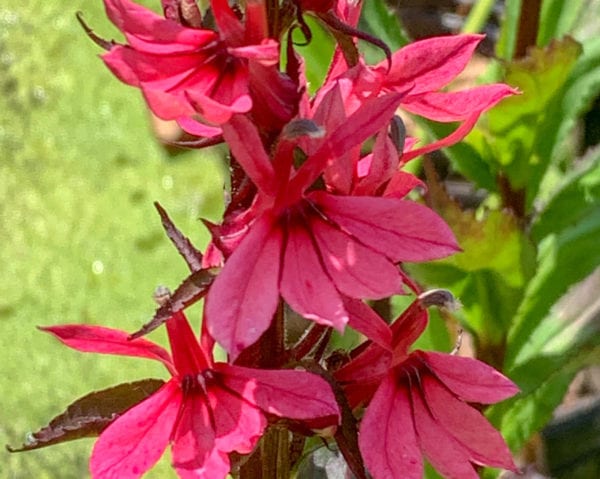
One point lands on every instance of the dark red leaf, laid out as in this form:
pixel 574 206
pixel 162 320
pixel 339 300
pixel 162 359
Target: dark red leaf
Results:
pixel 190 254
pixel 91 414
pixel 193 289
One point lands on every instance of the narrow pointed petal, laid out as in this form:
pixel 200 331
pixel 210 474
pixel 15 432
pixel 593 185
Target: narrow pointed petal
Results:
pixel 194 449
pixel 387 438
pixel 459 105
pixel 228 24
pixel 148 31
pixel 463 130
pixel 401 184
pixel 356 271
pixel 239 424
pixel 286 393
pixel 135 441
pixel 305 286
pixel 247 148
pixel 440 448
pixel 373 115
pixel 368 322
pixel 401 230
pixel 430 64
pixel 484 444
pixel 98 339
pixel 188 357
pixel 198 129
pixel 243 298
pixel 470 379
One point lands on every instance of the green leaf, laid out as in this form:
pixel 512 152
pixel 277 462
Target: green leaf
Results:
pixel 317 54
pixel 519 417
pixel 544 377
pixel 581 89
pixel 521 130
pixel 576 197
pixel 379 20
pixel 91 414
pixel 557 18
pixel 564 258
pixel 489 275
pixel 505 48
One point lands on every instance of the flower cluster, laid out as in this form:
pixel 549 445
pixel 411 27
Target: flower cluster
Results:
pixel 318 222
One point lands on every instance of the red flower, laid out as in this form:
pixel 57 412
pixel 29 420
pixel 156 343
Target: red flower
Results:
pixel 417 406
pixel 185 71
pixel 313 248
pixel 420 71
pixel 205 411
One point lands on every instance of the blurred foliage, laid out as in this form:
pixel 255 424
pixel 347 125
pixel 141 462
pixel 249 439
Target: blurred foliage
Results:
pixel 81 241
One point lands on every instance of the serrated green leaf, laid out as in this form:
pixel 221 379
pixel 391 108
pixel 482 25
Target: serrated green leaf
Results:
pixel 521 130
pixel 564 259
pixel 577 197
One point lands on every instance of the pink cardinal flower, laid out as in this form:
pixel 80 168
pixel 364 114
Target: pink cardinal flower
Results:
pixel 309 246
pixel 418 406
pixel 205 411
pixel 183 72
pixel 421 71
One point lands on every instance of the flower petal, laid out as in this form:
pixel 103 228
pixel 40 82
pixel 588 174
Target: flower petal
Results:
pixel 387 438
pixel 368 322
pixel 135 441
pixel 468 378
pixel 430 64
pixel 459 105
pixel 194 450
pixel 238 423
pixel 356 271
pixel 244 296
pixel 148 31
pixel 286 393
pixel 98 339
pixel 485 445
pixel 305 286
pixel 247 148
pixel 401 230
pixel 445 453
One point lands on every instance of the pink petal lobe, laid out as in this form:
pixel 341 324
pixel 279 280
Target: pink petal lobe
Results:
pixel 238 423
pixel 147 31
pixel 368 322
pixel 188 357
pixel 134 442
pixel 459 105
pixel 401 184
pixel 356 271
pixel 305 286
pixel 373 115
pixel 469 379
pixel 401 230
pixel 430 64
pixel 242 300
pixel 485 445
pixel 387 438
pixel 197 128
pixel 287 393
pixel 194 449
pixel 245 144
pixel 446 454
pixel 98 339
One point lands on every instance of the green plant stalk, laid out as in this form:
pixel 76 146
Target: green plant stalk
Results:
pixel 478 16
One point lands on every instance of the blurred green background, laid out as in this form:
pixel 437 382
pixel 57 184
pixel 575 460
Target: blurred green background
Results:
pixel 80 240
